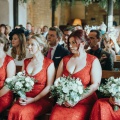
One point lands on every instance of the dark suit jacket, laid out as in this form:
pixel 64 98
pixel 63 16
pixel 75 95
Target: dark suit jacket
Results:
pixel 60 52
pixel 104 58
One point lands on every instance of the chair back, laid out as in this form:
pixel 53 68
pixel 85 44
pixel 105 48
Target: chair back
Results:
pixel 117 57
pixel 18 69
pixel 106 74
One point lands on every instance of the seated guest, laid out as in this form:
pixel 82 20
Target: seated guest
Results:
pixel 41 68
pixel 18 51
pixel 108 47
pixel 3 29
pixel 56 51
pixel 87 68
pixel 6 63
pixel 66 33
pixel 45 31
pixel 103 56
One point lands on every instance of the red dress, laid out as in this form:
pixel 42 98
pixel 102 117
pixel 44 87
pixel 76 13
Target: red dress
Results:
pixel 80 111
pixel 5 100
pixel 32 110
pixel 103 110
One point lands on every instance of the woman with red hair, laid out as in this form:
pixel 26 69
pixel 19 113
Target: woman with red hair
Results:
pixel 85 67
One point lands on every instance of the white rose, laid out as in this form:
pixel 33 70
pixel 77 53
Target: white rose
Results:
pixel 20 74
pixel 80 89
pixel 27 79
pixel 31 82
pixel 14 77
pixel 78 81
pixel 119 88
pixel 77 98
pixel 74 87
pixel 56 83
pixel 18 85
pixel 111 90
pixel 65 90
pixel 27 85
pixel 113 85
pixel 8 80
pixel 116 80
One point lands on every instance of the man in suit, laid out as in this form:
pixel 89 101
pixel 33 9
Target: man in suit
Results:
pixel 58 51
pixel 45 31
pixel 103 56
pixel 66 33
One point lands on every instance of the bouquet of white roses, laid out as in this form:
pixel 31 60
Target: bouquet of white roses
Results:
pixel 20 84
pixel 67 89
pixel 111 88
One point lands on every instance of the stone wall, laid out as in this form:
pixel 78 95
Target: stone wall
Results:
pixel 39 14
pixel 94 14
pixel 6 17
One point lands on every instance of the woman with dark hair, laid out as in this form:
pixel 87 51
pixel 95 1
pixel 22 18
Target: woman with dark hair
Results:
pixel 18 50
pixel 85 67
pixel 3 29
pixel 42 69
pixel 6 63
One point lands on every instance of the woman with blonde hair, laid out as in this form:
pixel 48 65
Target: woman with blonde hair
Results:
pixel 6 63
pixel 42 69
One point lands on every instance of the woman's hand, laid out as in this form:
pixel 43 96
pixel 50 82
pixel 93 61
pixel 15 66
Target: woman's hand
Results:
pixel 114 102
pixel 111 100
pixel 26 101
pixel 66 104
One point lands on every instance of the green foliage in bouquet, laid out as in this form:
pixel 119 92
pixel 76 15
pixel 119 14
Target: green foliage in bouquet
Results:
pixel 111 88
pixel 67 89
pixel 20 84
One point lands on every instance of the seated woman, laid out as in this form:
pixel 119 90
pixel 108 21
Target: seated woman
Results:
pixel 85 67
pixel 18 51
pixel 103 110
pixel 6 63
pixel 42 69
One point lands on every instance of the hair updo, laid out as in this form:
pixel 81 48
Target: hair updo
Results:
pixel 4 41
pixel 42 42
pixel 79 36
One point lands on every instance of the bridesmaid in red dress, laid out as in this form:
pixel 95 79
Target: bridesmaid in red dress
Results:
pixel 6 63
pixel 42 69
pixel 80 65
pixel 103 110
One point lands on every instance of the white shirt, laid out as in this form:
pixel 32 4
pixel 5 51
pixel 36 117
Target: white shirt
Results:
pixel 53 51
pixel 19 62
pixel 45 34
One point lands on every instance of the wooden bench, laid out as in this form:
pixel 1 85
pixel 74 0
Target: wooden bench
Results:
pixel 117 57
pixel 116 64
pixel 106 74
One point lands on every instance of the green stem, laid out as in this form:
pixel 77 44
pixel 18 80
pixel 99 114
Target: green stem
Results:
pixel 116 108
